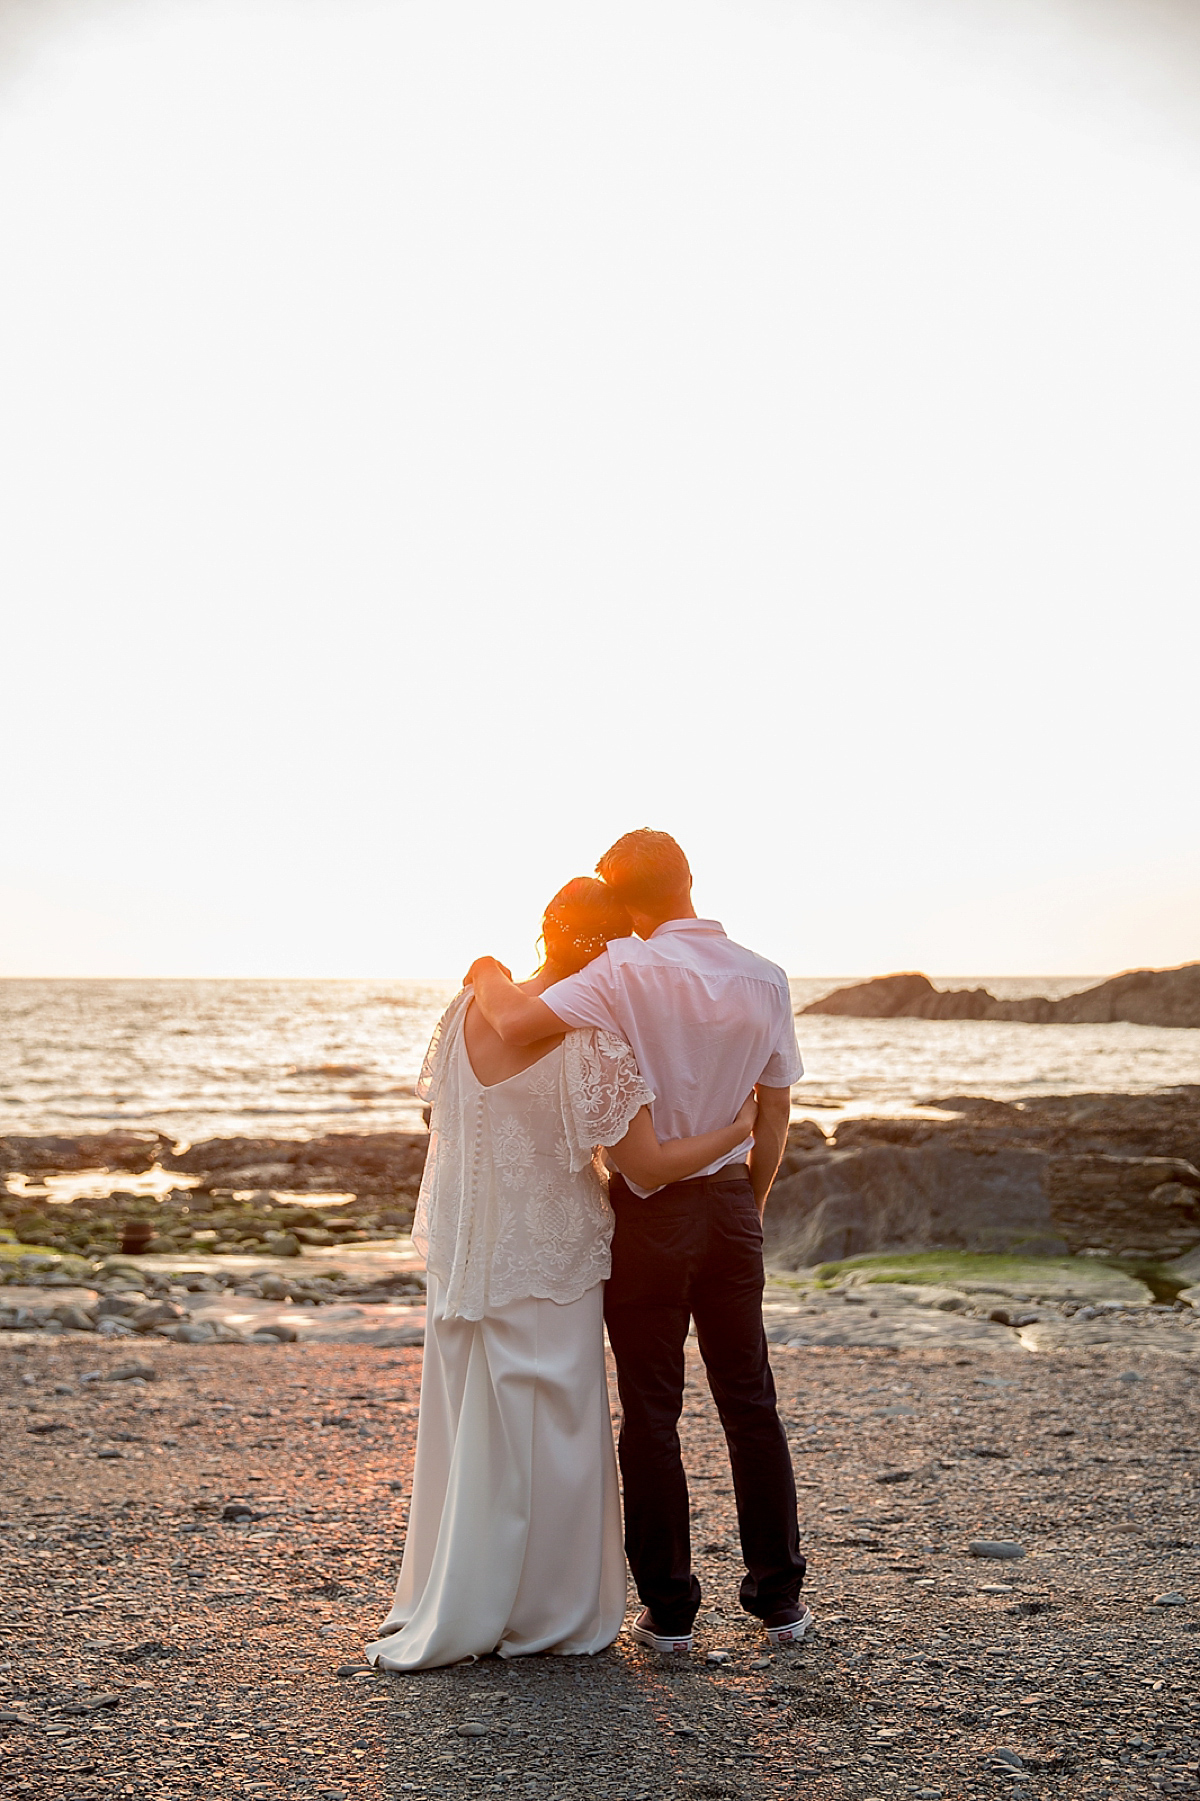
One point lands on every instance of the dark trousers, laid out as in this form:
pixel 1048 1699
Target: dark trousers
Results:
pixel 694 1250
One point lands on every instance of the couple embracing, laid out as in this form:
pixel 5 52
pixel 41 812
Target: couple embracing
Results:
pixel 649 1049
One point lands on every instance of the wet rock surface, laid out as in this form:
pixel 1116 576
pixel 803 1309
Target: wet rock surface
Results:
pixel 187 1619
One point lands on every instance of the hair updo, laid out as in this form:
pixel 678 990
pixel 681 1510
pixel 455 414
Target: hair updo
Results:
pixel 579 922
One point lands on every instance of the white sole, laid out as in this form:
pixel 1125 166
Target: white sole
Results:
pixel 654 1642
pixel 790 1635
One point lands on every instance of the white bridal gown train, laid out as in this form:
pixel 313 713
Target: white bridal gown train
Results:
pixel 514 1533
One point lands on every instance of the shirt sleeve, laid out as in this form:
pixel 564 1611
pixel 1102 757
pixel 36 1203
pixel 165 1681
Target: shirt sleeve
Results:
pixel 784 1065
pixel 602 1090
pixel 588 998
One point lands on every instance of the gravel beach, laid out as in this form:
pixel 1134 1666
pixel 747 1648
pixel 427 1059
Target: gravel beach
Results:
pixel 197 1540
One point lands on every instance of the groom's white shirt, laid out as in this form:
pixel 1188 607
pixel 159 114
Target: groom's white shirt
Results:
pixel 705 1017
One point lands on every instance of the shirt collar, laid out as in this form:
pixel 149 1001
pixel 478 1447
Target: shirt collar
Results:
pixel 686 925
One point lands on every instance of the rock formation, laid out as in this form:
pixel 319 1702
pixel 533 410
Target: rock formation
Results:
pixel 1144 997
pixel 1119 1174
pixel 1114 1173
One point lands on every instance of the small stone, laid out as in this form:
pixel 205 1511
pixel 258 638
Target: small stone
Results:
pixel 894 1476
pixel 761 1663
pixel 237 1510
pixel 1003 1755
pixel 129 1372
pixel 995 1547
pixel 472 1729
pixel 717 1657
pixel 119 1306
pixel 109 1453
pixel 74 1319
pixel 355 1669
pixel 995 1588
pixel 1131 1375
pixel 1174 1599
pixel 190 1332
pixel 155 1314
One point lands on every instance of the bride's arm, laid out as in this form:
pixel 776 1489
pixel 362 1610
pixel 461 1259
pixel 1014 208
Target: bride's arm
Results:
pixel 641 1158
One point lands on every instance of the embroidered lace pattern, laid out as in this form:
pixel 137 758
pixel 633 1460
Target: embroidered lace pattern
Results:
pixel 512 1203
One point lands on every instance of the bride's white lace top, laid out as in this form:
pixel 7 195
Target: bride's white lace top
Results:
pixel 512 1203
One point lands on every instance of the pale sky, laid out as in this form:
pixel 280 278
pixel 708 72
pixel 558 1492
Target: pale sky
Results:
pixel 438 435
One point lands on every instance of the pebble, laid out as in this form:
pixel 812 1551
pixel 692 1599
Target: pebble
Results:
pixel 472 1729
pixel 1013 1759
pixel 73 1318
pixel 995 1547
pixel 1130 1376
pixel 717 1657
pixel 355 1669
pixel 129 1372
pixel 1174 1599
pixel 108 1453
pixel 995 1588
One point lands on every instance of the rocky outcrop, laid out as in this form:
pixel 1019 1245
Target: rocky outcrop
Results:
pixel 1119 1174
pixel 129 1152
pixel 369 1163
pixel 909 996
pixel 1144 997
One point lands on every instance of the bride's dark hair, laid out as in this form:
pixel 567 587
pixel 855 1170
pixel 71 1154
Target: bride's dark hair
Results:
pixel 579 922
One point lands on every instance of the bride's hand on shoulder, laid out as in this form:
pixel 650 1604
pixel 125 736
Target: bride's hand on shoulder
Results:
pixel 484 963
pixel 749 1113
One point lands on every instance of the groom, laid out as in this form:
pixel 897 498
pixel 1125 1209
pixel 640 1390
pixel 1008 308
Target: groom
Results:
pixel 708 1021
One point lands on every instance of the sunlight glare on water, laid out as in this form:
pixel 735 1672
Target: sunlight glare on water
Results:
pixel 205 1059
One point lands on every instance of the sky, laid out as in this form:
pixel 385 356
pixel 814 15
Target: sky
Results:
pixel 437 436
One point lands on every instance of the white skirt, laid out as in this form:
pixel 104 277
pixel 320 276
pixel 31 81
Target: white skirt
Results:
pixel 514 1532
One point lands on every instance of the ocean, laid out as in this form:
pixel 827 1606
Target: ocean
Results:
pixel 202 1059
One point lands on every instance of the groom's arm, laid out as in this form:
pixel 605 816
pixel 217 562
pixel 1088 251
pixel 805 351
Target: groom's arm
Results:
pixel 518 1018
pixel 770 1139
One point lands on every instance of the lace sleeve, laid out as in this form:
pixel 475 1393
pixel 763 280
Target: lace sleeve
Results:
pixel 602 1090
pixel 427 1081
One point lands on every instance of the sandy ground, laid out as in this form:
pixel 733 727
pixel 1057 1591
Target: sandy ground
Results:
pixel 204 1653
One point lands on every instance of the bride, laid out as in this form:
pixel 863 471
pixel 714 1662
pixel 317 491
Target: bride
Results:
pixel 514 1535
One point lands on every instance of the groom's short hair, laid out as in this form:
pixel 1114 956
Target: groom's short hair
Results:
pixel 645 869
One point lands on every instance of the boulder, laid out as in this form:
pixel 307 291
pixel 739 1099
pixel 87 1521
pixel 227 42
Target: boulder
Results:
pixel 910 1184
pixel 889 1197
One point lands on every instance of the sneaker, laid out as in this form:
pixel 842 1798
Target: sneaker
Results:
pixel 788 1626
pixel 645 1632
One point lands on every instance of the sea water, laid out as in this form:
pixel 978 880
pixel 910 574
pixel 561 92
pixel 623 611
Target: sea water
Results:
pixel 201 1059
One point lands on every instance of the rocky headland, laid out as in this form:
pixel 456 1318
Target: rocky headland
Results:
pixel 1143 997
